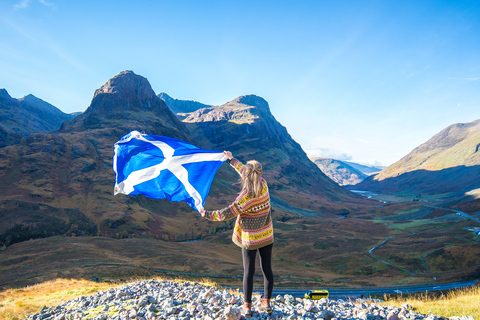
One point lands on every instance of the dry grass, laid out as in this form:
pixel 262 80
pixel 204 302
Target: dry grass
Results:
pixel 19 303
pixel 459 302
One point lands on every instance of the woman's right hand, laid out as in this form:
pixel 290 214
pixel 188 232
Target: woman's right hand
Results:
pixel 228 154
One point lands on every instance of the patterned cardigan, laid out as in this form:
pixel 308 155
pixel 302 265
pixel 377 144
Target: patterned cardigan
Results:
pixel 253 228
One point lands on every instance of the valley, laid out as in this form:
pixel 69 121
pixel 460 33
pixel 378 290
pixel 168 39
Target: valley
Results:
pixel 61 220
pixel 411 246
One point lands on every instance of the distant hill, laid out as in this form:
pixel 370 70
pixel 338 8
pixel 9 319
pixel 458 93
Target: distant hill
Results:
pixel 181 106
pixel 339 171
pixel 21 117
pixel 448 162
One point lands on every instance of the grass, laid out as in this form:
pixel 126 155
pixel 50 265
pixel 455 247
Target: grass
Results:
pixel 19 303
pixel 458 302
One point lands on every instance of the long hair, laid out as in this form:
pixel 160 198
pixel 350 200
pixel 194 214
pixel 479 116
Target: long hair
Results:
pixel 251 179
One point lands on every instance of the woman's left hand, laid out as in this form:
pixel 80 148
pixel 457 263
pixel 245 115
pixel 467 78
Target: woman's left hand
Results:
pixel 202 212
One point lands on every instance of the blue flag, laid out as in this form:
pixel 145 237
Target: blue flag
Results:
pixel 160 167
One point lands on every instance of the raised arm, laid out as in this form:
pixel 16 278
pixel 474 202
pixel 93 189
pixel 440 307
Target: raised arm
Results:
pixel 224 214
pixel 237 165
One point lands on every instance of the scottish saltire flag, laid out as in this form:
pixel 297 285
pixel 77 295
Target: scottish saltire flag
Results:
pixel 160 167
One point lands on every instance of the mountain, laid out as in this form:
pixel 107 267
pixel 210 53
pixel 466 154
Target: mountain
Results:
pixel 365 169
pixel 62 182
pixel 181 106
pixel 50 114
pixel 126 102
pixel 448 162
pixel 247 127
pixel 60 217
pixel 339 171
pixel 21 117
pixel 56 179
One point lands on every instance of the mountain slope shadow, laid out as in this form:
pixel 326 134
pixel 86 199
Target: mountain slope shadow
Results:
pixel 455 179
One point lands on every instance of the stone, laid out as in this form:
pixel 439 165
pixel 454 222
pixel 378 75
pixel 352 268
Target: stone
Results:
pixel 392 316
pixel 232 313
pixel 327 315
pixel 308 305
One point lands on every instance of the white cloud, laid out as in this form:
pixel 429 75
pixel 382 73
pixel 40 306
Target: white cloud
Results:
pixel 45 3
pixel 22 5
pixel 328 153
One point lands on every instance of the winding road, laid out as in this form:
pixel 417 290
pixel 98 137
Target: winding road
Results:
pixel 390 264
pixel 353 293
pixel 459 213
pixel 345 292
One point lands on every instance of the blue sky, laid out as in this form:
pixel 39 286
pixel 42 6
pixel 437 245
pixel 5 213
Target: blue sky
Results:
pixel 365 80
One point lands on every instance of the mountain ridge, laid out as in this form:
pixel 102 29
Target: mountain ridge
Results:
pixel 21 117
pixel 181 106
pixel 454 150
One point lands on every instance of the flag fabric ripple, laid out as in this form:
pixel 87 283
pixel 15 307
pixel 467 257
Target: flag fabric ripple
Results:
pixel 161 167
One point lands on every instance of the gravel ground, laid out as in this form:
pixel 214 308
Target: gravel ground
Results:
pixel 154 300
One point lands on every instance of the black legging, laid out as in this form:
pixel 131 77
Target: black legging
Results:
pixel 249 270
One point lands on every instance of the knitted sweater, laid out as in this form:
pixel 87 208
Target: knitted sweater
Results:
pixel 253 228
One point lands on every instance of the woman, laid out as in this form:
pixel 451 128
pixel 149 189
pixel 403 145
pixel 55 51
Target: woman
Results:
pixel 253 229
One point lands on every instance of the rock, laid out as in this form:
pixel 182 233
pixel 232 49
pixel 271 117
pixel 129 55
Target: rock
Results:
pixel 232 300
pixel 232 313
pixel 327 315
pixel 308 305
pixel 392 316
pixel 280 299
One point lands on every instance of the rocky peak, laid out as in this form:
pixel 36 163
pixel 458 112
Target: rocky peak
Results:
pixel 254 101
pixel 125 102
pixel 127 85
